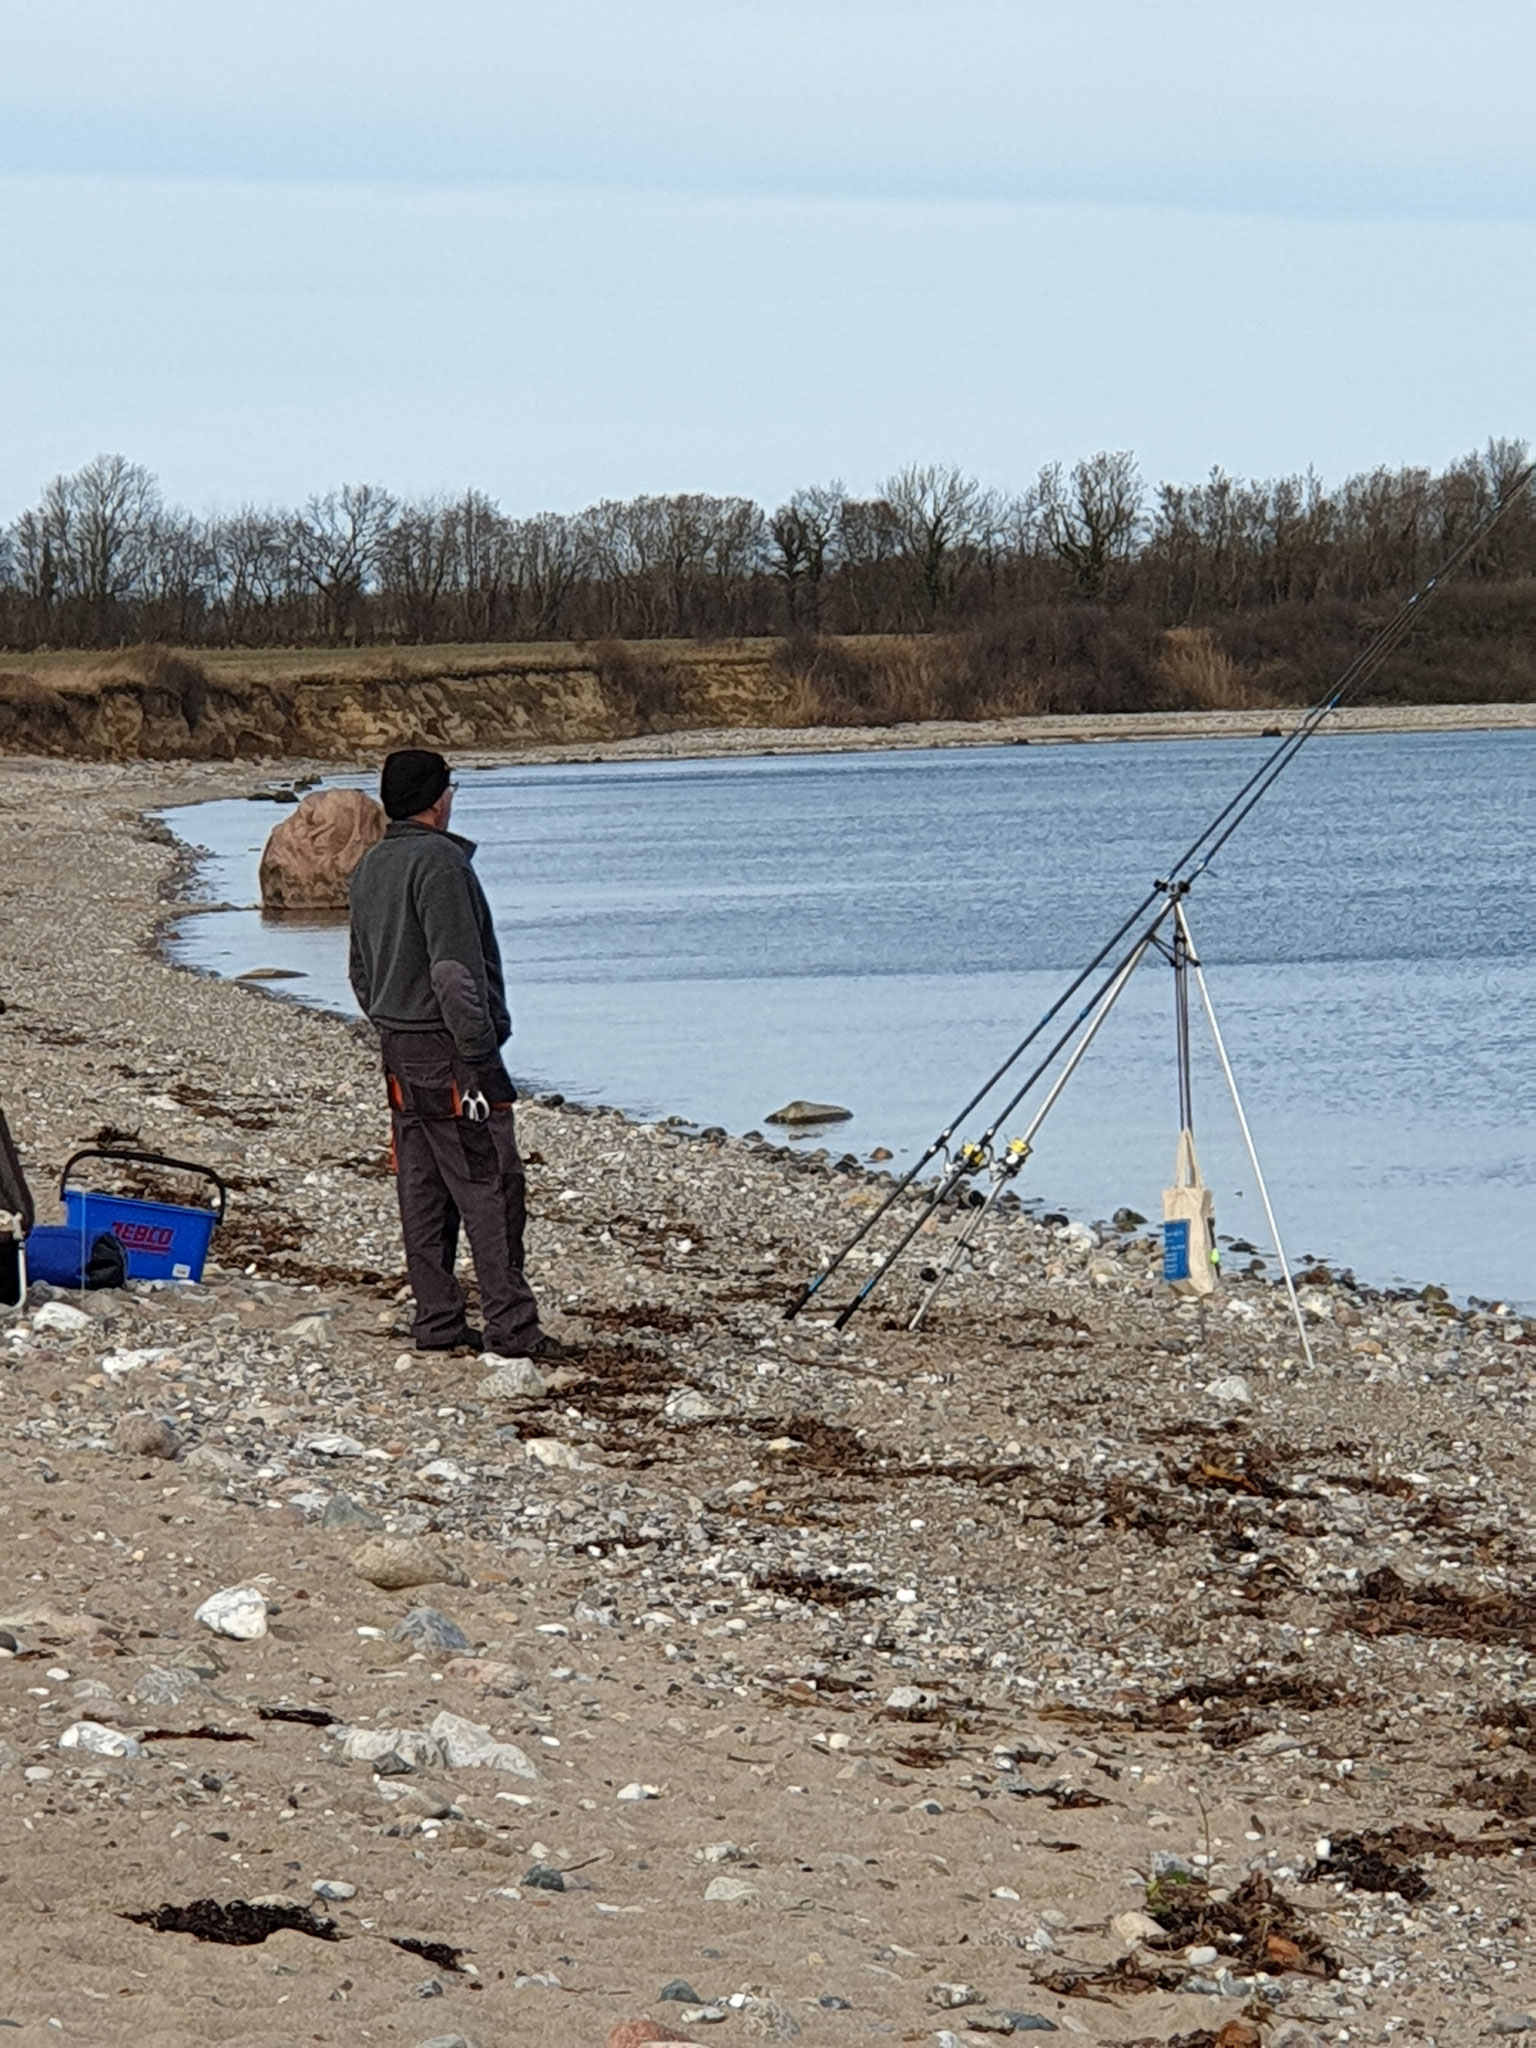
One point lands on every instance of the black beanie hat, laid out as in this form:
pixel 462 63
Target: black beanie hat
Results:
pixel 412 781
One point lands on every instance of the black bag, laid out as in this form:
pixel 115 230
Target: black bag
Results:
pixel 15 1201
pixel 57 1252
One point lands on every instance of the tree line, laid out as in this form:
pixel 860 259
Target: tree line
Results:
pixel 102 560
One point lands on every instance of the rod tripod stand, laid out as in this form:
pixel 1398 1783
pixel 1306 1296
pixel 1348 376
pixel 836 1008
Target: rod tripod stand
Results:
pixel 1180 951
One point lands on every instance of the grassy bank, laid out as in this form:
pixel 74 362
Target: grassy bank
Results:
pixel 156 702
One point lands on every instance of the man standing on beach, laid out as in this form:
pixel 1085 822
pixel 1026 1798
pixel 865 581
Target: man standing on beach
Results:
pixel 426 970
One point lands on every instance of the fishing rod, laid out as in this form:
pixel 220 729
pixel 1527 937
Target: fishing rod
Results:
pixel 1010 1164
pixel 1198 856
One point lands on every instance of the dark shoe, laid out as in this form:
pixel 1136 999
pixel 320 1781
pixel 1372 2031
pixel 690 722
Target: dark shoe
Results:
pixel 466 1340
pixel 548 1350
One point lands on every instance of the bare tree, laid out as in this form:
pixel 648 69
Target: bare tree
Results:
pixel 1092 518
pixel 939 515
pixel 337 541
pixel 803 536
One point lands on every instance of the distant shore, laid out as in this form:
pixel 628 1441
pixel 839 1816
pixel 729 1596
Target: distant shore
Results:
pixel 1075 729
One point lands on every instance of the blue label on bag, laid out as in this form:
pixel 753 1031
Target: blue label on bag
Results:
pixel 1176 1251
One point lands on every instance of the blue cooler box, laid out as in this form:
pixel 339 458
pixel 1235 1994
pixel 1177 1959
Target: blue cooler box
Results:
pixel 161 1240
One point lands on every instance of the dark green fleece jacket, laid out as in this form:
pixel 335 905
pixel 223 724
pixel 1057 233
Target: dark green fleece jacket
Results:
pixel 424 955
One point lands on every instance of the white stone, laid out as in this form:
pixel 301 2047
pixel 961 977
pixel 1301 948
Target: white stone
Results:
pixel 909 1699
pixel 553 1455
pixel 687 1404
pixel 116 1363
pixel 237 1611
pixel 514 1379
pixel 639 1791
pixel 333 1888
pixel 59 1317
pixel 100 1741
pixel 333 1445
pixel 446 1470
pixel 468 1746
pixel 1132 1928
pixel 412 1745
pixel 729 1891
pixel 1232 1391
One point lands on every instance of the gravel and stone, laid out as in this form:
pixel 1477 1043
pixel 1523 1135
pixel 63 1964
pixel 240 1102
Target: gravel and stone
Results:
pixel 1087 1660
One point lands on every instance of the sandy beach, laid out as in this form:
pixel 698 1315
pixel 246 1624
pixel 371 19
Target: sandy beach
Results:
pixel 1079 1663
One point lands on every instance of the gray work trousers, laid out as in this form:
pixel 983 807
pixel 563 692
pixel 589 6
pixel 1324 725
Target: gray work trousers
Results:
pixel 447 1171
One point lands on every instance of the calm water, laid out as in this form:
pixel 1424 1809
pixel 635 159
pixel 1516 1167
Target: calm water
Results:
pixel 712 938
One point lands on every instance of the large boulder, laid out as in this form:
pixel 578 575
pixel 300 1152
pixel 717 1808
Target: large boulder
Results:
pixel 308 859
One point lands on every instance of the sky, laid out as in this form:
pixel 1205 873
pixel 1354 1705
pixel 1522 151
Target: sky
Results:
pixel 567 249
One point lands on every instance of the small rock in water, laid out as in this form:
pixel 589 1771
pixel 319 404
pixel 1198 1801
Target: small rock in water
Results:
pixel 342 1512
pixel 394 1563
pixel 238 1611
pixel 100 1741
pixel 426 1629
pixel 146 1436
pixel 799 1112
pixel 513 1379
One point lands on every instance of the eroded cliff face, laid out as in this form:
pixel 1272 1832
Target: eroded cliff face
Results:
pixel 157 704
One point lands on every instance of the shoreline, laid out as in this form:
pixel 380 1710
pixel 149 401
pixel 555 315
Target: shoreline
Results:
pixel 1073 1580
pixel 1075 729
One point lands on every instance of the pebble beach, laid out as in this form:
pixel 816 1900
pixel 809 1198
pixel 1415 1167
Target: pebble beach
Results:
pixel 1088 1661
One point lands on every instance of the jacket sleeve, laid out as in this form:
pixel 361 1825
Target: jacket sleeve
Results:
pixel 456 962
pixel 357 972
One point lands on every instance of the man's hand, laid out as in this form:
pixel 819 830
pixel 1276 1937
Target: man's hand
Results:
pixel 490 1080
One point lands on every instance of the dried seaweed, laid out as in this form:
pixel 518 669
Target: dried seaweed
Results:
pixel 1389 1605
pixel 1374 1861
pixel 437 1953
pixel 1270 1934
pixel 236 1923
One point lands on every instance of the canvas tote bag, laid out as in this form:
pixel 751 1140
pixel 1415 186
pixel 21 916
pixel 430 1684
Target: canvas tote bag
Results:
pixel 1189 1225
